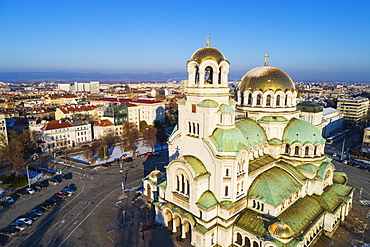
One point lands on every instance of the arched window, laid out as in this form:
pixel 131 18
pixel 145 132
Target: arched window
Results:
pixel 247 242
pixel 237 189
pixel 200 214
pixel 219 76
pixel 258 101
pixel 241 98
pixel 196 75
pixel 198 129
pixel 187 187
pixel 278 100
pixel 250 99
pixel 315 151
pixel 226 190
pixel 296 151
pixel 255 244
pixel 220 118
pixel 287 149
pixel 262 206
pixel 239 239
pixel 194 129
pixel 208 74
pixel 242 186
pixel 182 184
pixel 268 100
pixel 254 204
pixel 189 128
pixel 307 151
pixel 286 100
pixel 227 172
pixel 178 183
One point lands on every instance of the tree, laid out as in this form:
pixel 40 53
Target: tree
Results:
pixel 89 153
pixel 130 136
pixel 161 137
pixel 149 137
pixel 143 124
pixel 13 155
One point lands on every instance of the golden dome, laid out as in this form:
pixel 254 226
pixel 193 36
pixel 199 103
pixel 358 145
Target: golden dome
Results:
pixel 156 174
pixel 207 53
pixel 281 230
pixel 264 78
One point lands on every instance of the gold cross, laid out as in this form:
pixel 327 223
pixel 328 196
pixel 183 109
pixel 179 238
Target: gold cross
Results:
pixel 208 43
pixel 266 59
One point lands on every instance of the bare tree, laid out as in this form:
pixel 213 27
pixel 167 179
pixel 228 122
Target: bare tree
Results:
pixel 89 153
pixel 130 136
pixel 162 137
pixel 13 155
pixel 149 136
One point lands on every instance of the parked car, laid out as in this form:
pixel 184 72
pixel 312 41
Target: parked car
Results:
pixel 54 181
pixel 23 192
pixel 106 166
pixel 9 231
pixel 52 201
pixel 36 211
pixel 46 205
pixel 25 221
pixel 31 216
pixel 148 154
pixel 30 190
pixel 61 194
pixel 67 176
pixel 40 186
pixel 129 159
pixel 68 191
pixel 19 225
pixel 8 199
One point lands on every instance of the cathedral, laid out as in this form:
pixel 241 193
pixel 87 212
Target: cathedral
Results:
pixel 246 170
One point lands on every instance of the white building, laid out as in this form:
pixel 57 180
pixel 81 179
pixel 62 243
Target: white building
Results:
pixel 354 110
pixel 261 181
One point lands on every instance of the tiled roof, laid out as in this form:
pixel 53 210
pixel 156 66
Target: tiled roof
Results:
pixel 56 124
pixel 66 110
pixel 103 123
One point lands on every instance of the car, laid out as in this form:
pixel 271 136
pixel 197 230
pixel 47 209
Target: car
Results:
pixel 106 166
pixel 334 155
pixel 30 191
pixel 46 205
pixel 129 159
pixel 52 201
pixel 54 181
pixel 9 231
pixel 23 192
pixel 148 154
pixel 19 225
pixel 8 199
pixel 345 162
pixel 40 186
pixel 68 191
pixel 61 194
pixel 36 211
pixel 31 216
pixel 25 221
pixel 67 176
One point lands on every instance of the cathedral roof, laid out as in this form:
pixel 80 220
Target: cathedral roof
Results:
pixel 309 106
pixel 247 133
pixel 265 78
pixel 207 53
pixel 308 167
pixel 273 186
pixel 273 119
pixel 208 103
pixel 281 230
pixel 301 131
pixel 226 109
pixel 197 166
pixel 207 200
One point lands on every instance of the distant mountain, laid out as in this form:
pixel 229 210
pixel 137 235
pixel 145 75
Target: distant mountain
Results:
pixel 71 76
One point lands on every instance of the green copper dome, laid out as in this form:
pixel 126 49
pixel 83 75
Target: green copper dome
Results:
pixel 301 131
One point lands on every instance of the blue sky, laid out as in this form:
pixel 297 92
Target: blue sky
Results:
pixel 310 40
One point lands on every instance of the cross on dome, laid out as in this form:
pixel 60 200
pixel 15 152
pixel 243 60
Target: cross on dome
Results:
pixel 266 59
pixel 208 43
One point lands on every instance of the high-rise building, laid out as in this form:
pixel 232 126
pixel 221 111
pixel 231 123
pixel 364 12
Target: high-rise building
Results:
pixel 263 180
pixel 354 110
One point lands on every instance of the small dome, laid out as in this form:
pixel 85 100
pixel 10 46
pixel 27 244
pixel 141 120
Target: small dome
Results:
pixel 281 230
pixel 309 106
pixel 301 131
pixel 156 174
pixel 207 53
pixel 264 78
pixel 208 103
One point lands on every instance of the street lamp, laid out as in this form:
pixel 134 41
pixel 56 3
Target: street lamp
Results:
pixel 28 176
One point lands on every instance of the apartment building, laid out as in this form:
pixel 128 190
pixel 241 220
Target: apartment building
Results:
pixel 354 110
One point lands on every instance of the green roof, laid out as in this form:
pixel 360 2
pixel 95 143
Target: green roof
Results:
pixel 300 214
pixel 308 167
pixel 273 119
pixel 226 109
pixel 340 178
pixel 207 200
pixel 181 101
pixel 247 133
pixel 322 170
pixel 309 106
pixel 197 165
pixel 253 222
pixel 227 204
pixel 208 103
pixel 301 131
pixel 333 196
pixel 273 186
pixel 232 101
pixel 259 162
pixel 275 141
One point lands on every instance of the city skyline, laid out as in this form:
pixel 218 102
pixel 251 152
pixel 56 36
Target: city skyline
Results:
pixel 315 41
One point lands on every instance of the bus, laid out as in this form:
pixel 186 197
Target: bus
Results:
pixel 337 137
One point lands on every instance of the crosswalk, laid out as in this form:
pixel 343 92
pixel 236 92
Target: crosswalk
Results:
pixel 365 202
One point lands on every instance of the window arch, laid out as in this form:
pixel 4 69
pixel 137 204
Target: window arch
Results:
pixel 182 184
pixel 227 172
pixel 315 151
pixel 247 242
pixel 268 100
pixel 196 79
pixel 241 98
pixel 239 239
pixel 296 151
pixel 220 76
pixel 258 101
pixel 226 190
pixel 177 183
pixel 250 99
pixel 286 100
pixel 307 151
pixel 287 148
pixel 208 75
pixel 278 100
